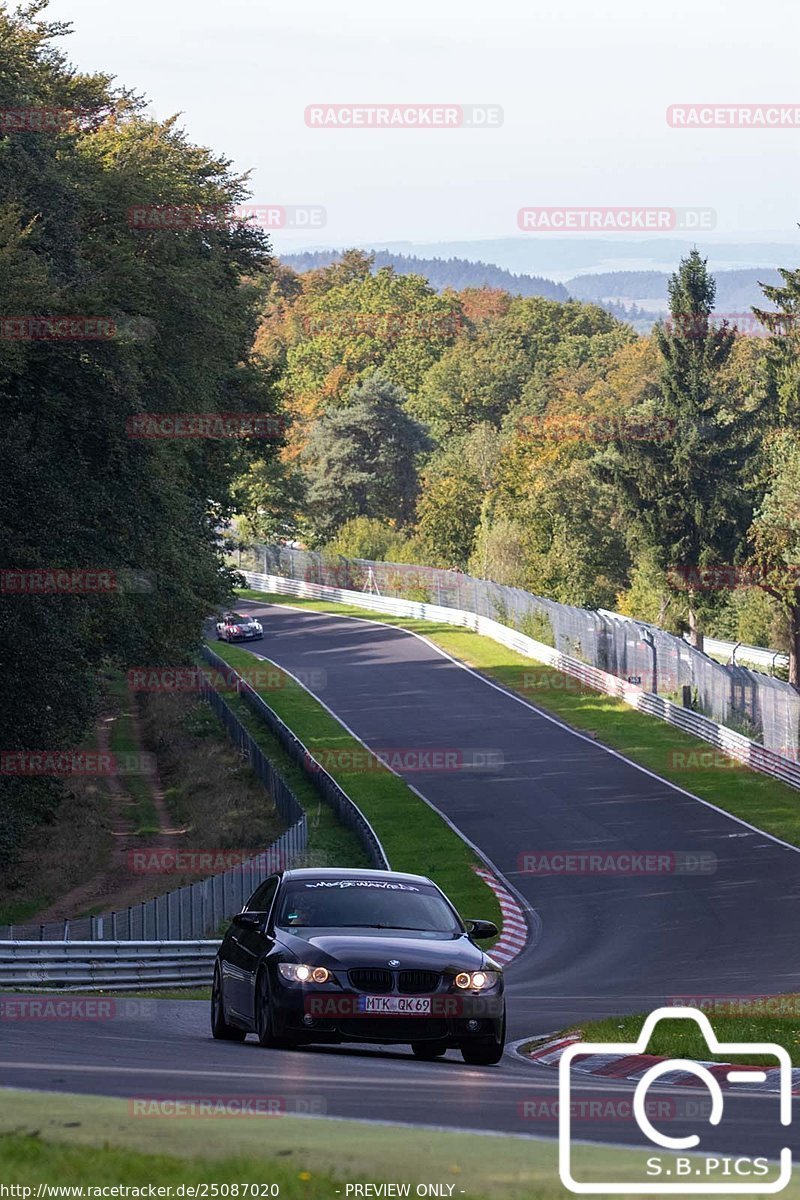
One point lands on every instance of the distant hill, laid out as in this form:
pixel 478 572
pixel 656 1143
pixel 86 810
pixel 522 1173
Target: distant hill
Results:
pixel 638 297
pixel 544 254
pixel 737 291
pixel 456 273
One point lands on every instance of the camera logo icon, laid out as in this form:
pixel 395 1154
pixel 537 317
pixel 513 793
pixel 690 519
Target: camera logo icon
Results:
pixel 681 1175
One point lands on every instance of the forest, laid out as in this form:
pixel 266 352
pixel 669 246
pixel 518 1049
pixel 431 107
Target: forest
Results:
pixel 536 440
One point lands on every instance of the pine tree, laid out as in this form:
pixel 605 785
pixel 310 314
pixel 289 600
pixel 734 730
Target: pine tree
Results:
pixel 687 492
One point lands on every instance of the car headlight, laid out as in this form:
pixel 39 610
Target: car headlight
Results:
pixel 303 973
pixel 476 981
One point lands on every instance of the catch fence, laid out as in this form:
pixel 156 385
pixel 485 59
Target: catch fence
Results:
pixel 762 708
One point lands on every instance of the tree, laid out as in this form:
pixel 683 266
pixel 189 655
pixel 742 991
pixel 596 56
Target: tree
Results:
pixel 687 492
pixel 361 460
pixel 366 537
pixel 482 377
pixel 346 324
pixel 76 489
pixel 455 481
pixel 775 564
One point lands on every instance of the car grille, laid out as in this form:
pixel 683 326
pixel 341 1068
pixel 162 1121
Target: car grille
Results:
pixel 414 982
pixel 372 979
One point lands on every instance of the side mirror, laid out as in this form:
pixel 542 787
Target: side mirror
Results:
pixel 249 920
pixel 480 930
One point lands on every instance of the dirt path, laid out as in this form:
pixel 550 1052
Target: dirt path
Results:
pixel 117 885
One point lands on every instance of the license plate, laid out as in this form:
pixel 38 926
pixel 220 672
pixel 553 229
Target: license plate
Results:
pixel 407 1006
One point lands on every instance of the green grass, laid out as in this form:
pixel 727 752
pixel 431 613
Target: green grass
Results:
pixel 17 913
pixel 764 802
pixel 124 741
pixel 745 1021
pixel 414 837
pixel 73 1140
pixel 329 842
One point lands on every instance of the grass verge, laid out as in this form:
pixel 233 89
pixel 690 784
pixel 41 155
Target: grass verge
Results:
pixel 124 743
pixel 414 837
pixel 68 1139
pixel 685 761
pixel 762 1019
pixel 329 842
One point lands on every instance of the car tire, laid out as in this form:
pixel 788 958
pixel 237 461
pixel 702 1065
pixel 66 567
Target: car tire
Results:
pixel 266 1025
pixel 482 1054
pixel 220 1028
pixel 428 1051
pixel 485 1054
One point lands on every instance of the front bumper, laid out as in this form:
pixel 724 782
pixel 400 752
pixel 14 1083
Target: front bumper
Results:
pixel 329 1014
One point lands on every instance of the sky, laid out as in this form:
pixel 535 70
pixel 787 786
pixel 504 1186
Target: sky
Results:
pixel 583 85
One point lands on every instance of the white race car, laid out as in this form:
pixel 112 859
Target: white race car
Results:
pixel 234 627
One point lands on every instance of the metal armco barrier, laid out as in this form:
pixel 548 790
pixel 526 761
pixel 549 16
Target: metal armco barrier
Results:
pixel 732 743
pixel 759 656
pixel 94 966
pixel 346 809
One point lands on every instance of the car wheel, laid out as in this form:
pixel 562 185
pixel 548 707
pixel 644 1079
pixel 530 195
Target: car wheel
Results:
pixel 428 1051
pixel 485 1054
pixel 266 1025
pixel 219 1026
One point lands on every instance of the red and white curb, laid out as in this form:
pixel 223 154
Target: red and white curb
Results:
pixel 514 934
pixel 633 1066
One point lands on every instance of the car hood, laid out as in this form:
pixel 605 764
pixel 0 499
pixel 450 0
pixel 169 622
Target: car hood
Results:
pixel 376 947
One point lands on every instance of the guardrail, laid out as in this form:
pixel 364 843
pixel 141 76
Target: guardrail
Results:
pixel 737 652
pixel 95 966
pixel 732 743
pixel 733 652
pixel 346 809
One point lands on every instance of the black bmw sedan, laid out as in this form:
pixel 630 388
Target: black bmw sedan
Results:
pixel 358 956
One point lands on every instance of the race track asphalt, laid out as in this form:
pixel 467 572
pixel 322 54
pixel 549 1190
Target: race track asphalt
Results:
pixel 601 944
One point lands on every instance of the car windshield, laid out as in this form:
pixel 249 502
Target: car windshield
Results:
pixel 365 903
